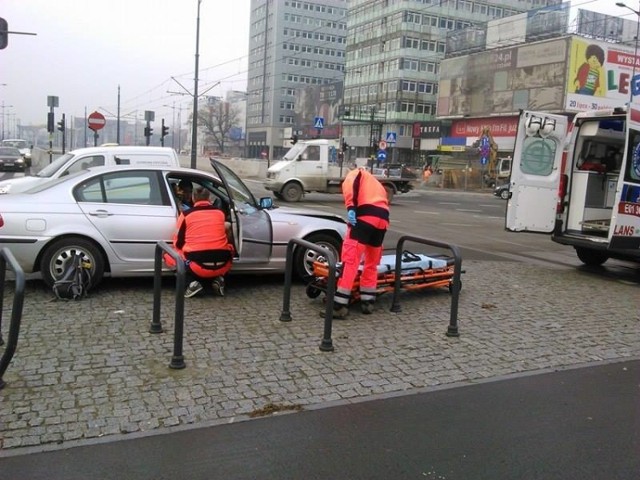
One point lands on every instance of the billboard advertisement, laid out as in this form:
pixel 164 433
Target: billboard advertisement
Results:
pixel 599 74
pixel 503 81
pixel 318 101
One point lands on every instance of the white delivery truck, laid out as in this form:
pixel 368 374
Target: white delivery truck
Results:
pixel 313 166
pixel 83 158
pixel 579 181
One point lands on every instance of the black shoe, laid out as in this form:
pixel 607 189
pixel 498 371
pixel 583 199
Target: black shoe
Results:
pixel 339 312
pixel 193 288
pixel 367 307
pixel 218 286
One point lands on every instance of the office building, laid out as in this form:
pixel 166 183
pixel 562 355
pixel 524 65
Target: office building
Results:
pixel 295 47
pixel 393 55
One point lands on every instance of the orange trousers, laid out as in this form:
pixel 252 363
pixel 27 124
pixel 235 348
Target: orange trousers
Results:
pixel 353 252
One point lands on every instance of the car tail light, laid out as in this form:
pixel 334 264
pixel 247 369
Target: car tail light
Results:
pixel 1 221
pixel 562 192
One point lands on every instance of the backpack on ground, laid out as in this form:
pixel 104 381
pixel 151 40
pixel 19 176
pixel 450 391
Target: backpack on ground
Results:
pixel 76 280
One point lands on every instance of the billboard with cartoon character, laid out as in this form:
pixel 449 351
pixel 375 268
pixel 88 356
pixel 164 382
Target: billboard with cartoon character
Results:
pixel 600 75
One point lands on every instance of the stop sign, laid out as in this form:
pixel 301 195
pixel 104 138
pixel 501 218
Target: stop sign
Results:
pixel 96 121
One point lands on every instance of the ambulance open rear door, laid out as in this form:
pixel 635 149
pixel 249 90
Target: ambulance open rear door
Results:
pixel 535 173
pixel 624 234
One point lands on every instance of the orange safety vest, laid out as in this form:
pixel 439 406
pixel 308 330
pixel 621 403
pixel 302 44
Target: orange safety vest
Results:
pixel 367 196
pixel 201 228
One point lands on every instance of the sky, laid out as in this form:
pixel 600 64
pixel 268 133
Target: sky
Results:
pixel 84 50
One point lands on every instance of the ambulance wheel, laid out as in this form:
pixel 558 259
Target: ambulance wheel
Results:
pixel 313 291
pixel 592 258
pixel 292 192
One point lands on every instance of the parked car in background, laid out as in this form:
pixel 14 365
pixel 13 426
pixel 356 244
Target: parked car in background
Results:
pixel 83 158
pixel 11 160
pixel 22 145
pixel 502 191
pixel 115 216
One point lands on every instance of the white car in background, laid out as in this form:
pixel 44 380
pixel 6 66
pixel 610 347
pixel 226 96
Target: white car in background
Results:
pixel 115 216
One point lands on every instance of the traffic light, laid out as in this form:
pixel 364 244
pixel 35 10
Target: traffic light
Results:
pixel 50 120
pixel 294 139
pixel 345 146
pixel 4 33
pixel 165 130
pixel 148 131
pixel 61 125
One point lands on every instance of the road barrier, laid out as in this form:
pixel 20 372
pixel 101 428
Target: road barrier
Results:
pixel 177 360
pixel 16 313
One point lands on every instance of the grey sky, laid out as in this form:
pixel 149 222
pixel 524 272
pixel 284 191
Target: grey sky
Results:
pixel 84 49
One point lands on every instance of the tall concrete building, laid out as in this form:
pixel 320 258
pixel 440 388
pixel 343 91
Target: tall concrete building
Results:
pixel 293 45
pixel 394 50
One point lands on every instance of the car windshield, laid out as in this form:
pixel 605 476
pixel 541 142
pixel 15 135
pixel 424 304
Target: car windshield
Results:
pixel 14 143
pixel 9 151
pixel 53 167
pixel 294 152
pixel 51 183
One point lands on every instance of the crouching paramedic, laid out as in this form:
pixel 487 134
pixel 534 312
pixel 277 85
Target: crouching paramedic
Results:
pixel 368 217
pixel 204 240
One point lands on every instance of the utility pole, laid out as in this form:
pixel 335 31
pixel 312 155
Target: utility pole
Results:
pixel 194 122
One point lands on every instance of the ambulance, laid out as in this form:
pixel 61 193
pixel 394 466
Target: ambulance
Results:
pixel 580 181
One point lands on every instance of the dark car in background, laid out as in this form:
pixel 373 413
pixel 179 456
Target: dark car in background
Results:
pixel 502 191
pixel 11 160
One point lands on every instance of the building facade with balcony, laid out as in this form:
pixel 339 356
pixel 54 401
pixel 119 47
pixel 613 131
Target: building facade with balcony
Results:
pixel 393 57
pixel 294 45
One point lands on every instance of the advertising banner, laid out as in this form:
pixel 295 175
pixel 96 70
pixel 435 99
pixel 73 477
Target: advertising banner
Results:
pixel 318 101
pixel 600 75
pixel 504 80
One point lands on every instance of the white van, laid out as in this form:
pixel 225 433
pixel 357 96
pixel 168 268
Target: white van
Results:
pixel 84 158
pixel 579 181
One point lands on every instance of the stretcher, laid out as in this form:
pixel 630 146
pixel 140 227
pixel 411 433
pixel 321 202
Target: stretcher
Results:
pixel 418 271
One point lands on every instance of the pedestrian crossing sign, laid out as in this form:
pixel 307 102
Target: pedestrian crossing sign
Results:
pixel 318 123
pixel 391 137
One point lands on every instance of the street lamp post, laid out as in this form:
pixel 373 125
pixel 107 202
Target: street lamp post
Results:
pixel 194 122
pixel 635 51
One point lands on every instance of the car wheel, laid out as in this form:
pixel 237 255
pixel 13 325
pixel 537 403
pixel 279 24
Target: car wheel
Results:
pixel 390 193
pixel 593 258
pixel 504 194
pixel 292 192
pixel 59 253
pixel 304 258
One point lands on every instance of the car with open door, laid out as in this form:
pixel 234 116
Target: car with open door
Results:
pixel 114 217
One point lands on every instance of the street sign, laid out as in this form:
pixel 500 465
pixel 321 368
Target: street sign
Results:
pixel 391 137
pixel 382 145
pixel 381 156
pixel 96 121
pixel 318 123
pixel 483 160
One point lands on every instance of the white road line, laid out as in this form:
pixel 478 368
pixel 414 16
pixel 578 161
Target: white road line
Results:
pixel 448 203
pixel 426 212
pixel 467 210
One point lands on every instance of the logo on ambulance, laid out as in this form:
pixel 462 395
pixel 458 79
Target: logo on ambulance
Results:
pixel 635 160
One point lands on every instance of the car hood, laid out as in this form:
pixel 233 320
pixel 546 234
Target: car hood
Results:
pixel 20 184
pixel 301 212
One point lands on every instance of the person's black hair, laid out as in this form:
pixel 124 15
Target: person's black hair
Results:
pixel 596 51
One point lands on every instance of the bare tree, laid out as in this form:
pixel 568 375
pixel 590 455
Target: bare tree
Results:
pixel 217 120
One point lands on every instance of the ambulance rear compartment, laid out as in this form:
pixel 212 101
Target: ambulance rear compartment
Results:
pixel 594 173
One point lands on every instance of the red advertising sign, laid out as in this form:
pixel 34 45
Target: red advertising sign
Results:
pixel 472 127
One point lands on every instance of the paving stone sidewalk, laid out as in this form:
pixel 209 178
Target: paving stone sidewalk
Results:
pixel 91 369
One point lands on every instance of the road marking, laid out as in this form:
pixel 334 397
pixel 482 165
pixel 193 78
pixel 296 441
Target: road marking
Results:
pixel 467 210
pixel 493 205
pixel 426 212
pixel 449 203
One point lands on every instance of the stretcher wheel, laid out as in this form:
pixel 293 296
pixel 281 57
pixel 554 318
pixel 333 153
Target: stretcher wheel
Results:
pixel 313 291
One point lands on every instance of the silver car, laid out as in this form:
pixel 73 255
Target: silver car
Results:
pixel 114 217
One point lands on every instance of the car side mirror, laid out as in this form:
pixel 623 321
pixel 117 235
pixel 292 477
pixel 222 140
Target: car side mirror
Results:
pixel 266 203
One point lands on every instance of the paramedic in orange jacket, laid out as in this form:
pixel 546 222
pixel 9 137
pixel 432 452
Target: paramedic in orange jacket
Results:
pixel 203 239
pixel 368 217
